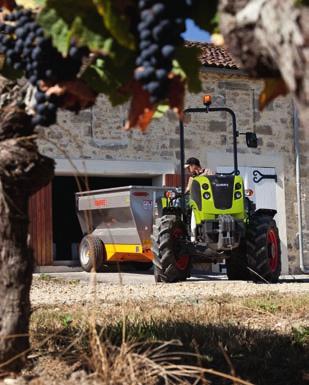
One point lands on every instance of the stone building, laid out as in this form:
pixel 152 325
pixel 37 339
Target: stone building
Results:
pixel 93 144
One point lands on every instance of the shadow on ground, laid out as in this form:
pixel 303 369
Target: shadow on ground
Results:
pixel 262 357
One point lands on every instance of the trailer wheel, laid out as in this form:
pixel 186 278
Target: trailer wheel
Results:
pixel 91 253
pixel 237 265
pixel 168 265
pixel 263 249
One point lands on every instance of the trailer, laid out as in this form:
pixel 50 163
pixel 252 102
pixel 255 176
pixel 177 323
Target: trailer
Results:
pixel 117 225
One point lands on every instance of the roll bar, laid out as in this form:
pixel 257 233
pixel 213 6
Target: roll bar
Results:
pixel 206 110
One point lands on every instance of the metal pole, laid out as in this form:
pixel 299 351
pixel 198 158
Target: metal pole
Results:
pixel 235 133
pixel 182 163
pixel 302 266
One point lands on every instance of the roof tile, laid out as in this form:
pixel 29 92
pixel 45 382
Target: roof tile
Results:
pixel 214 56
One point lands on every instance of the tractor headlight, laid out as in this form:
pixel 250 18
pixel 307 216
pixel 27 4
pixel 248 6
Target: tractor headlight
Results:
pixel 237 195
pixel 237 186
pixel 206 195
pixel 205 186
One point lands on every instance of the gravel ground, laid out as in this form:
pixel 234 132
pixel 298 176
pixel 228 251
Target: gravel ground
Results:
pixel 48 290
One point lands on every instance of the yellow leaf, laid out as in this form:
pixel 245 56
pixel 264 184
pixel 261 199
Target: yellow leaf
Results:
pixel 32 4
pixel 273 87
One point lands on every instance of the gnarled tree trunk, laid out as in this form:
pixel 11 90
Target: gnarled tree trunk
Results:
pixel 23 171
pixel 270 39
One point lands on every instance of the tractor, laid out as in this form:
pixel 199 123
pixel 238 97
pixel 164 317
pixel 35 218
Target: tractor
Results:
pixel 216 221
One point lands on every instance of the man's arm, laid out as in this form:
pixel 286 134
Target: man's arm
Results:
pixel 188 188
pixel 207 171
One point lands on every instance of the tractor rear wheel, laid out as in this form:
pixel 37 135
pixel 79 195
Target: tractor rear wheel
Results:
pixel 263 249
pixel 237 265
pixel 91 253
pixel 169 266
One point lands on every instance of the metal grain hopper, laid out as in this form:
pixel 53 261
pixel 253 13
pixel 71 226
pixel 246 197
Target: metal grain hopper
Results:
pixel 116 224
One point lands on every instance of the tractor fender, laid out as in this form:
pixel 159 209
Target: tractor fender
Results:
pixel 269 212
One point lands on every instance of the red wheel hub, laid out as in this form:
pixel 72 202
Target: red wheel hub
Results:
pixel 182 262
pixel 273 249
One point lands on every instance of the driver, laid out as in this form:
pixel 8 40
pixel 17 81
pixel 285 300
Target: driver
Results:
pixel 195 169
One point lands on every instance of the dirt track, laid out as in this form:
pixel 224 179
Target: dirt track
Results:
pixel 114 288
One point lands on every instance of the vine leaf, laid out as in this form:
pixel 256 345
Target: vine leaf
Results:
pixel 141 110
pixel 176 94
pixel 75 94
pixel 8 4
pixel 78 20
pixel 273 87
pixel 116 22
pixel 187 58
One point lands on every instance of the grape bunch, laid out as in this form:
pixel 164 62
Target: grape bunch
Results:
pixel 26 48
pixel 161 24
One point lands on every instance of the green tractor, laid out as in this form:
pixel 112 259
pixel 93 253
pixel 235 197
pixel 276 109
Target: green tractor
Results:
pixel 215 222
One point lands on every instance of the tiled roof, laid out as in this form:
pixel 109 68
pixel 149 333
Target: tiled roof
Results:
pixel 214 56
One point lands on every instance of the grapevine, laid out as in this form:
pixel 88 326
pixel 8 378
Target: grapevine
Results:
pixel 159 32
pixel 27 49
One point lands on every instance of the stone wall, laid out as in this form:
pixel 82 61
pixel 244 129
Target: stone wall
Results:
pixel 97 134
pixel 304 173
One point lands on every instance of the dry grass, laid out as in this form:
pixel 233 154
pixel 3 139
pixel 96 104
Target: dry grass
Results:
pixel 263 340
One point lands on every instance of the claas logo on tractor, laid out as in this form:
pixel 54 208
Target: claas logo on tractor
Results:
pixel 207 100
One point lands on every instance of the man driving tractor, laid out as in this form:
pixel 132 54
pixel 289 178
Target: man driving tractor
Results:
pixel 195 169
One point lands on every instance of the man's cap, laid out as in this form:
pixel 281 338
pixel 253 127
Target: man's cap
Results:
pixel 192 161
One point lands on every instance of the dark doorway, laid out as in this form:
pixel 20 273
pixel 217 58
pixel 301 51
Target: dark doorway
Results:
pixel 66 230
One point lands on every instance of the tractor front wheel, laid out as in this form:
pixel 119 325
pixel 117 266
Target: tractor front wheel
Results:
pixel 237 265
pixel 169 264
pixel 263 249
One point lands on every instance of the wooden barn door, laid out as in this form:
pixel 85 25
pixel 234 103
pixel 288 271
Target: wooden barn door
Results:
pixel 173 180
pixel 41 227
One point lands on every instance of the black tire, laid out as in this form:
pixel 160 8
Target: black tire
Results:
pixel 91 253
pixel 263 249
pixel 168 267
pixel 237 265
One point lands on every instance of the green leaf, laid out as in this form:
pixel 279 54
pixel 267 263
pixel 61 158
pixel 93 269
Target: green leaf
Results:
pixel 56 27
pixel 85 36
pixel 104 77
pixel 116 22
pixel 63 20
pixel 161 110
pixel 204 15
pixel 189 67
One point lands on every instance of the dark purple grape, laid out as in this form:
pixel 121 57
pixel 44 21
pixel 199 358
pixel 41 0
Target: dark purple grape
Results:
pixel 159 29
pixel 168 51
pixel 9 29
pixel 21 32
pixel 161 74
pixel 40 97
pixel 159 9
pixel 31 51
pixel 38 120
pixel 145 34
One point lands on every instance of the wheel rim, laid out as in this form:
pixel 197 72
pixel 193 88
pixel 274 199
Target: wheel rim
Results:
pixel 182 262
pixel 273 249
pixel 84 254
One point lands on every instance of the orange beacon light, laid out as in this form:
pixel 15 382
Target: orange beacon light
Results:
pixel 207 100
